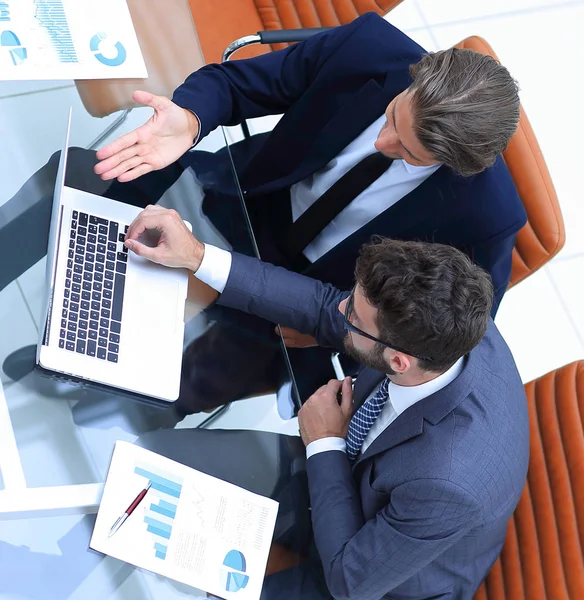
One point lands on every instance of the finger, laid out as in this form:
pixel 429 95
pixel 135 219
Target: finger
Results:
pixel 347 396
pixel 145 220
pixel 140 249
pixel 133 161
pixel 135 173
pixel 151 100
pixel 119 145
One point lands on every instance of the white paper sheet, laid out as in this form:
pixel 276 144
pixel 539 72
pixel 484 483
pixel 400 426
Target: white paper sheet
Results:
pixel 190 527
pixel 68 39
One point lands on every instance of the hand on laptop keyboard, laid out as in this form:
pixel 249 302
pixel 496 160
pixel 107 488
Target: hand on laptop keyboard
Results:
pixel 175 245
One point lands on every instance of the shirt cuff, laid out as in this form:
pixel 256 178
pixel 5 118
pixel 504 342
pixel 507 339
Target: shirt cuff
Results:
pixel 215 267
pixel 324 445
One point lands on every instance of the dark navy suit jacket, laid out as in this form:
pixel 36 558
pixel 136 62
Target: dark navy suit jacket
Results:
pixel 422 514
pixel 330 88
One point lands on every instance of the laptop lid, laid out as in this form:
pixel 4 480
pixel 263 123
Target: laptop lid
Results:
pixel 54 229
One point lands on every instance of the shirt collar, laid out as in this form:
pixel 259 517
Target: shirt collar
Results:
pixel 404 396
pixel 417 170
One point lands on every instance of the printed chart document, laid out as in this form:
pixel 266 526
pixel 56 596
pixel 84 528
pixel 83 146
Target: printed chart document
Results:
pixel 188 526
pixel 68 39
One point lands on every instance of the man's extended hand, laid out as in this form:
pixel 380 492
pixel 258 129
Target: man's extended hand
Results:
pixel 164 239
pixel 166 136
pixel 295 339
pixel 322 416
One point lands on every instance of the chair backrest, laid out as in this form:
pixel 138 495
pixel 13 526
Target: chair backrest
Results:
pixel 543 236
pixel 220 23
pixel 171 51
pixel 543 555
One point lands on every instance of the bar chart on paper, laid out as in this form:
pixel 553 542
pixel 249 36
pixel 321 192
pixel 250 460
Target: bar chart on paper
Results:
pixel 161 506
pixel 51 16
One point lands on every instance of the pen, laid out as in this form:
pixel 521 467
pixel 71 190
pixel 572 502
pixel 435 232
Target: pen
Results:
pixel 121 520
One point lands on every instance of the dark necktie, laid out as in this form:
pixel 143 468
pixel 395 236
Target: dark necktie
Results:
pixel 313 220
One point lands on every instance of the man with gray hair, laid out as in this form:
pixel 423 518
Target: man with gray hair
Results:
pixel 377 137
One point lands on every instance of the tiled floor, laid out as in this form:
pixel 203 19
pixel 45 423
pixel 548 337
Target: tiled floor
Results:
pixel 542 318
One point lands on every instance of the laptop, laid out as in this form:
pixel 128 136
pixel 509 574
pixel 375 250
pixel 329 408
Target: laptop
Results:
pixel 112 319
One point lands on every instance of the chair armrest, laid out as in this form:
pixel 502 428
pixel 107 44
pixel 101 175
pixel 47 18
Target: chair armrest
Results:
pixel 280 36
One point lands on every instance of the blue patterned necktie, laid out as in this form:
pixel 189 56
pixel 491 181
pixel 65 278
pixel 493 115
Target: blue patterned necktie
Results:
pixel 364 418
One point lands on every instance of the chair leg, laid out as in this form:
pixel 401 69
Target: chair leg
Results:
pixel 221 410
pixel 110 129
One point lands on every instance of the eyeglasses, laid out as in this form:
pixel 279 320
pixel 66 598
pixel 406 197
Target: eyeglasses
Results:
pixel 350 327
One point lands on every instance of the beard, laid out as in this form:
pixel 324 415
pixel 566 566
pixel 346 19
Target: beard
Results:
pixel 373 359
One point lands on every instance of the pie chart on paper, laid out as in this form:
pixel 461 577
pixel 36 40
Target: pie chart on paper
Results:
pixel 10 40
pixel 233 577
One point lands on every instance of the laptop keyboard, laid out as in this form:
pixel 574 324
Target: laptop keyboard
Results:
pixel 94 287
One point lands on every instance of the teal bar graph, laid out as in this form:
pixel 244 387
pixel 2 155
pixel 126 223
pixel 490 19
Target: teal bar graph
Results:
pixel 161 512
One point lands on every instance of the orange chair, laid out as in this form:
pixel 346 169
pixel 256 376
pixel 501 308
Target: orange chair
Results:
pixel 543 236
pixel 543 555
pixel 219 23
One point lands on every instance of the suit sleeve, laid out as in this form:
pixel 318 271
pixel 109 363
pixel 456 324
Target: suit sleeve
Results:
pixel 228 93
pixel 366 559
pixel 286 298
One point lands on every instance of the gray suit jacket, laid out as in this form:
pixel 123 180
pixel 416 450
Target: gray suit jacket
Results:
pixel 422 514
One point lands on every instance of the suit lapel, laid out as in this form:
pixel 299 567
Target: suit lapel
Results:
pixel 432 409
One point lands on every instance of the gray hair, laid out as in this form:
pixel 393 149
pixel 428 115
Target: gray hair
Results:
pixel 465 108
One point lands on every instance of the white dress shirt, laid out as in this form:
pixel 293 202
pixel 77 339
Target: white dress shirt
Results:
pixel 398 181
pixel 214 271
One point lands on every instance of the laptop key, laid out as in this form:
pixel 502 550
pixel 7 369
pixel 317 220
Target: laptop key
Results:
pixel 73 234
pixel 78 259
pixel 69 273
pixel 87 286
pixel 98 267
pixel 84 305
pixel 71 336
pixel 95 313
pixel 102 221
pixel 122 256
pixel 102 239
pixel 61 343
pixel 71 244
pixel 69 264
pixel 64 313
pixel 110 264
pixel 83 324
pixel 62 333
pixel 92 229
pixel 122 237
pixel 109 275
pixel 112 247
pixel 95 303
pixel 111 256
pixel 100 258
pixel 67 283
pixel 80 250
pixel 86 295
pixel 73 317
pixel 65 303
pixel 89 258
pixel 70 346
pixel 63 322
pixel 82 231
pixel 76 288
pixel 92 334
pixel 93 325
pixel 105 313
pixel 103 332
pixel 81 240
pixel 112 357
pixel 77 278
pixel 102 229
pixel 67 293
pixel 78 269
pixel 118 300
pixel 108 285
pixel 96 284
pixel 71 254
pixel 84 314
pixel 98 277
pixel 75 298
pixel 91 238
pixel 121 267
pixel 91 247
pixel 104 323
pixel 87 276
pixel 80 346
pixel 115 326
pixel 107 293
pixel 115 338
pixel 72 327
pixel 101 353
pixel 96 296
pixel 82 334
pixel 91 348
pixel 106 303
pixel 75 215
pixel 83 219
pixel 113 231
pixel 113 348
pixel 93 220
pixel 102 342
pixel 89 266
pixel 74 223
pixel 101 248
